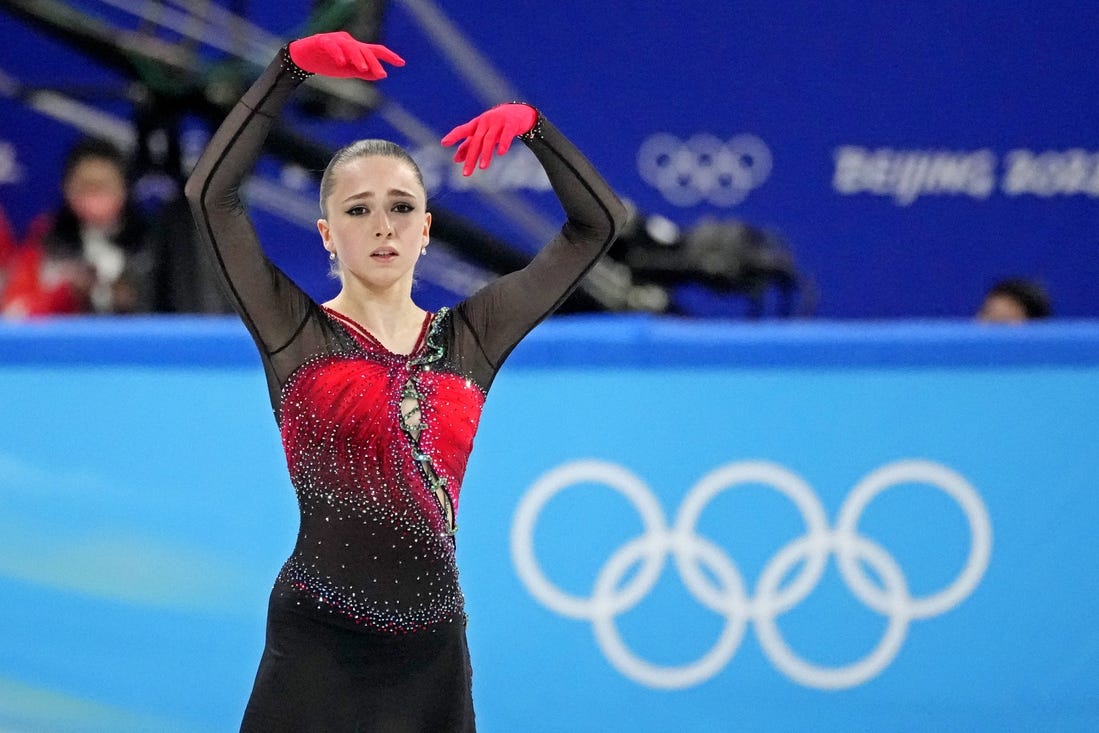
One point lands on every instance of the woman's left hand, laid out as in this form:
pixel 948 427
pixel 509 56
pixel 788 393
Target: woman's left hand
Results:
pixel 495 128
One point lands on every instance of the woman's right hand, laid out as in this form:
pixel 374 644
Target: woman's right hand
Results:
pixel 339 54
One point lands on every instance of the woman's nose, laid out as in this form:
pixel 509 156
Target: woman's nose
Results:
pixel 382 227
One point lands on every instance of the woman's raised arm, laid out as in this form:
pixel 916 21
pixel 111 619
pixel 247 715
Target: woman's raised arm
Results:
pixel 270 304
pixel 504 311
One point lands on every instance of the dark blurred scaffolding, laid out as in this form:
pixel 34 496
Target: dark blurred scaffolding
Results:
pixel 725 256
pixel 195 57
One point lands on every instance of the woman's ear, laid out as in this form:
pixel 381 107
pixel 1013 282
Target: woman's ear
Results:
pixel 426 236
pixel 322 227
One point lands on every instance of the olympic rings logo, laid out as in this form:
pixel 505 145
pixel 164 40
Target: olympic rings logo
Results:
pixel 704 168
pixel 728 597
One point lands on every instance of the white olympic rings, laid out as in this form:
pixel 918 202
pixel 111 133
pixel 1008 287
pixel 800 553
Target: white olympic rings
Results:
pixel 729 596
pixel 704 168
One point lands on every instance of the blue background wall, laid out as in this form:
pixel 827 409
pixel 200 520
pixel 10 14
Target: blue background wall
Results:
pixel 146 511
pixel 977 126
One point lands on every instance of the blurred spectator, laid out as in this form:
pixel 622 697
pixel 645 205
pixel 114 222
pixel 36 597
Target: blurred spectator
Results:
pixel 1015 300
pixel 94 257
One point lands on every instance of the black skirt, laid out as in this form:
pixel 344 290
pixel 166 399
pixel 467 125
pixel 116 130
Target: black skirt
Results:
pixel 320 674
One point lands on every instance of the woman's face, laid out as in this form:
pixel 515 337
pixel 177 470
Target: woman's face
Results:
pixel 96 192
pixel 377 221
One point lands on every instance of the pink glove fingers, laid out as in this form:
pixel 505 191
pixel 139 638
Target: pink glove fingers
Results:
pixel 491 139
pixel 369 64
pixel 457 133
pixel 491 131
pixel 479 146
pixel 461 152
pixel 384 54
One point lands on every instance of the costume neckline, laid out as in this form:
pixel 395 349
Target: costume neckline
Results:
pixel 363 333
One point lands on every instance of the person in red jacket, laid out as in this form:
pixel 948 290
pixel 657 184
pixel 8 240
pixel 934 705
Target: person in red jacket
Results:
pixel 93 256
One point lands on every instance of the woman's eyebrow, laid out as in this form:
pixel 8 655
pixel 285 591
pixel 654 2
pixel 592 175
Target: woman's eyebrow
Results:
pixel 370 194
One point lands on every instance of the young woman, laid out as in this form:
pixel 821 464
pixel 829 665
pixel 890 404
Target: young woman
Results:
pixel 378 401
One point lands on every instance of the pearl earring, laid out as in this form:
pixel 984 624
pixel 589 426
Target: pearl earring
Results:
pixel 423 250
pixel 331 256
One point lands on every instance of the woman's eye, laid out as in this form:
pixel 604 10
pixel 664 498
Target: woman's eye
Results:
pixel 403 208
pixel 357 210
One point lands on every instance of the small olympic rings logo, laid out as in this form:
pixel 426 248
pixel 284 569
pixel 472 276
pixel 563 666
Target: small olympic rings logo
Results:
pixel 704 168
pixel 728 596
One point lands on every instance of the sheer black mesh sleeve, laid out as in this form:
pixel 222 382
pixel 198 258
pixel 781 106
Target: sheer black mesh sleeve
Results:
pixel 498 316
pixel 284 321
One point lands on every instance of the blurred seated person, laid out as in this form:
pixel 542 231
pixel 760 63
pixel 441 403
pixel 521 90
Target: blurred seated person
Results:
pixel 94 257
pixel 1015 300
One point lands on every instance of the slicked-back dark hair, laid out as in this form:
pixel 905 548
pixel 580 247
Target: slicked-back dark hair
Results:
pixel 363 149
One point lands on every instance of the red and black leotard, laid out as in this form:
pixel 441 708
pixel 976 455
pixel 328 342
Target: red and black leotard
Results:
pixel 376 443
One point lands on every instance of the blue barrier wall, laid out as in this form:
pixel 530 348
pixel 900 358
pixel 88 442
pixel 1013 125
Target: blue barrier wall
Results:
pixel 665 526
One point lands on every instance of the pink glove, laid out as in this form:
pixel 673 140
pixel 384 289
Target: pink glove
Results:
pixel 338 54
pixel 495 128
